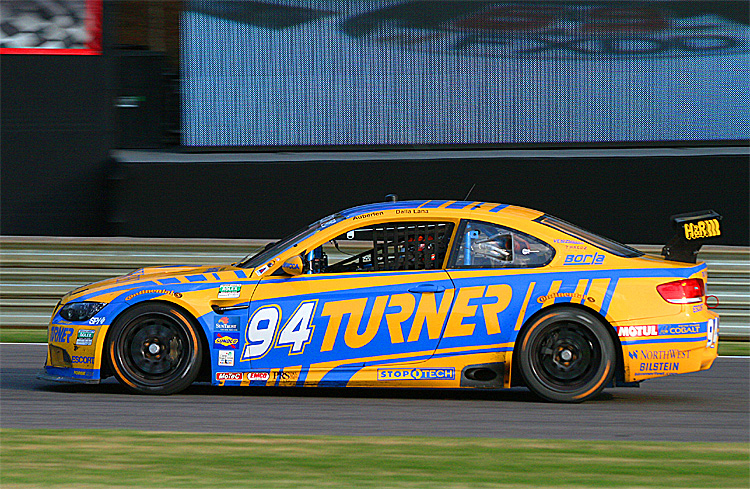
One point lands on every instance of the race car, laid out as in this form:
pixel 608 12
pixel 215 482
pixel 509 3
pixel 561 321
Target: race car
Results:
pixel 429 294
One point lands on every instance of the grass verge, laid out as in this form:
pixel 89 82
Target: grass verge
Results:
pixel 94 459
pixel 14 335
pixel 734 348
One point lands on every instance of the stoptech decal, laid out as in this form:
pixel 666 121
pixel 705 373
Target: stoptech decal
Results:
pixel 416 374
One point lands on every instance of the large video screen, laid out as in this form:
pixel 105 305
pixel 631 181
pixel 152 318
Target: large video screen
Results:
pixel 322 73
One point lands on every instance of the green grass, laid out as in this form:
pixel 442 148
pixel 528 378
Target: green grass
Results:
pixel 96 459
pixel 14 335
pixel 734 348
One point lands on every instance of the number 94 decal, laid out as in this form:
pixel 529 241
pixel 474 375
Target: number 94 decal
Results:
pixel 262 332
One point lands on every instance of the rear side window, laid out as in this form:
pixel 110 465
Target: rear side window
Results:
pixel 601 242
pixel 488 245
pixel 390 246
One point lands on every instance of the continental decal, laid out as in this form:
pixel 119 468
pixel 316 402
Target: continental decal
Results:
pixel 154 291
pixel 702 229
pixel 572 295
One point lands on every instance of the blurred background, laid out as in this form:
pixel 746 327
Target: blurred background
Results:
pixel 242 120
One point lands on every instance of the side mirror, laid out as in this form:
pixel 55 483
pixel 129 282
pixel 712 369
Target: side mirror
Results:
pixel 293 265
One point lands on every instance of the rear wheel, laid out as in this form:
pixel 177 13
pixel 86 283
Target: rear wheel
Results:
pixel 155 349
pixel 567 355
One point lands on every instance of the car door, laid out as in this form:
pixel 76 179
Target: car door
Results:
pixel 382 302
pixel 492 268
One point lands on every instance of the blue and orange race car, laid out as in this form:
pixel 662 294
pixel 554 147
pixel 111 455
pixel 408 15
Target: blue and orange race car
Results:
pixel 404 294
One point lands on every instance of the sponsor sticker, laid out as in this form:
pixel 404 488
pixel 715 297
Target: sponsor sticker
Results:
pixel 229 291
pixel 679 328
pixel 80 359
pixel 58 334
pixel 264 376
pixel 85 337
pixel 702 229
pixel 227 323
pixel 154 291
pixel 226 341
pixel 228 376
pixel 226 358
pixel 633 331
pixel 595 259
pixel 416 373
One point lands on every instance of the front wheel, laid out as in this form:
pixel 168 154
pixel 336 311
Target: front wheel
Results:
pixel 567 355
pixel 154 349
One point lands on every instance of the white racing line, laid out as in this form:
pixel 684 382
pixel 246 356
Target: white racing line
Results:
pixel 743 357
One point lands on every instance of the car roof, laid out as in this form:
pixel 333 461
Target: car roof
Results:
pixel 459 206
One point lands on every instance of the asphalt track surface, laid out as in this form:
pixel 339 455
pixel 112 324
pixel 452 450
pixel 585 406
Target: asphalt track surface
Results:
pixel 713 405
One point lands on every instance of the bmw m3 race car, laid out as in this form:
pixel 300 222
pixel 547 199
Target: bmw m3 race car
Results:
pixel 434 294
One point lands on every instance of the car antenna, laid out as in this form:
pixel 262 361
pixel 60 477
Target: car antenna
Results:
pixel 391 198
pixel 469 193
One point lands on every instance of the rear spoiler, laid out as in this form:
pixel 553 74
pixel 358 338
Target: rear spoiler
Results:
pixel 692 229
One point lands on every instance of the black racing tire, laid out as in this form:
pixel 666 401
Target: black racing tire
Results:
pixel 154 348
pixel 566 355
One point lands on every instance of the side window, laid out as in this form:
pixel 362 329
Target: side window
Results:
pixel 487 245
pixel 388 246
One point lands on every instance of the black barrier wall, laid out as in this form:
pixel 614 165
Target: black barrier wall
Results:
pixel 55 137
pixel 628 198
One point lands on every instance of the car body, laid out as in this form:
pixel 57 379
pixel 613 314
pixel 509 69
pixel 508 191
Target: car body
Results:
pixel 435 293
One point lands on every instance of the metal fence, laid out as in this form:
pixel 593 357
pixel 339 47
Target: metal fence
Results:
pixel 36 271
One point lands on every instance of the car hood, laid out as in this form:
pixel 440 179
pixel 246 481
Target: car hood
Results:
pixel 151 276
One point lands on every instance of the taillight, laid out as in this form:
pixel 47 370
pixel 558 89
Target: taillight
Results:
pixel 686 291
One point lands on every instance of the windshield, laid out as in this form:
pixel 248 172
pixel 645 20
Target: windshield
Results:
pixel 606 244
pixel 274 249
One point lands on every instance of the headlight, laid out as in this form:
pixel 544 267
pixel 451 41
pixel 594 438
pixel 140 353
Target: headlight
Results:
pixel 80 311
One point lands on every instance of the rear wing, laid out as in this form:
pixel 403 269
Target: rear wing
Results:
pixel 692 229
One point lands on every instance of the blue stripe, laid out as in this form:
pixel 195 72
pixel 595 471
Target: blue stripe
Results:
pixel 432 204
pixel 216 276
pixel 169 281
pixel 608 297
pixel 240 274
pixel 458 205
pixel 302 377
pixel 196 278
pixel 498 208
pixel 646 342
